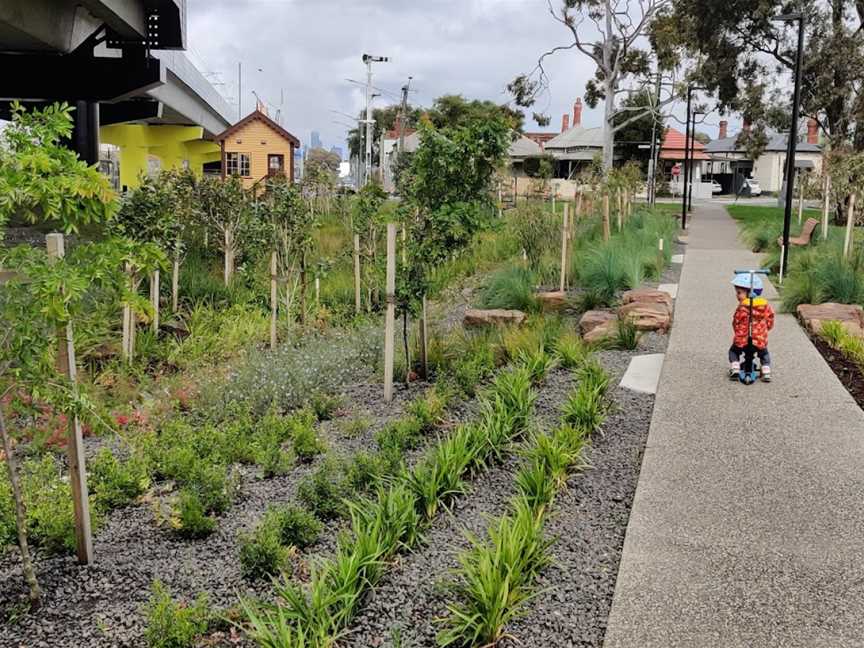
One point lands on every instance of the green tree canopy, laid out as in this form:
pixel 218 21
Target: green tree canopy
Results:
pixel 745 58
pixel 41 180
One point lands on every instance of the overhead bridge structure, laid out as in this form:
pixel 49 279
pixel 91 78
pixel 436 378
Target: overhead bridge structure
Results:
pixel 116 61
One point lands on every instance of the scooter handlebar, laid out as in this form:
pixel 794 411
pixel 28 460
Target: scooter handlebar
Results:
pixel 762 271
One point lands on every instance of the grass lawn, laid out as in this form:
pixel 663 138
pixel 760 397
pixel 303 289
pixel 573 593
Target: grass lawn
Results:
pixel 817 273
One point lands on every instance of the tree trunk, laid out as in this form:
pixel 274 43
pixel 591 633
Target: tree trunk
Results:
pixel 357 274
pixel 608 108
pixel 20 517
pixel 229 256
pixel 303 288
pixel 154 300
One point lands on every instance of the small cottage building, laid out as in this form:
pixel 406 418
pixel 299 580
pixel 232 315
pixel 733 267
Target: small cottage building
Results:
pixel 257 147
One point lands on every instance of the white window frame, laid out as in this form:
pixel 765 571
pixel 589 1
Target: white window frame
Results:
pixel 238 164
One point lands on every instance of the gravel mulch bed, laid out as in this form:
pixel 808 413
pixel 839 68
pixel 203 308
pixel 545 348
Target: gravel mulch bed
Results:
pixel 588 523
pixel 402 608
pixel 100 605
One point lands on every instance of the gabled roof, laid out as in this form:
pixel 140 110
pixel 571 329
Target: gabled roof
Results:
pixel 777 143
pixel 674 143
pixel 577 137
pixel 257 115
pixel 525 147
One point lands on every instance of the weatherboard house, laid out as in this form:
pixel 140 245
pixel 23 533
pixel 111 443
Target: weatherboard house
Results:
pixel 730 163
pixel 256 148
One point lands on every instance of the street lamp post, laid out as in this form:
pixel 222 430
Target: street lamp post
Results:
pixel 686 168
pixel 793 139
pixel 692 145
pixel 368 59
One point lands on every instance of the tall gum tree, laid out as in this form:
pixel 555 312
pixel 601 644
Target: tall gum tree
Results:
pixel 613 35
pixel 746 57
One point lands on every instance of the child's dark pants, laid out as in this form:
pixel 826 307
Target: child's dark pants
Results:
pixel 735 353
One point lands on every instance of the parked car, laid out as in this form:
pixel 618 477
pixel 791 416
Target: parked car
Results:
pixel 716 188
pixel 751 188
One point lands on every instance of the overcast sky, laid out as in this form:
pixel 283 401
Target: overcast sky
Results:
pixel 308 48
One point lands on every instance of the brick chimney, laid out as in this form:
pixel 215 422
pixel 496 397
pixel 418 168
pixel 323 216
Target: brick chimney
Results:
pixel 577 113
pixel 812 131
pixel 565 122
pixel 724 129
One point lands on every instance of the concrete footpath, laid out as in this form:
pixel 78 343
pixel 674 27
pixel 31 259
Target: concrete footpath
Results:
pixel 747 527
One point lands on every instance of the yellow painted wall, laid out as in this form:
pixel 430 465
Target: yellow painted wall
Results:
pixel 172 145
pixel 257 140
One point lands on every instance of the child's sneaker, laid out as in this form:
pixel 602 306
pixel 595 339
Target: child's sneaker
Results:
pixel 734 371
pixel 766 374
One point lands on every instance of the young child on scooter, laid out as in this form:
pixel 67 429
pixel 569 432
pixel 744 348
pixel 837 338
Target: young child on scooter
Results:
pixel 763 321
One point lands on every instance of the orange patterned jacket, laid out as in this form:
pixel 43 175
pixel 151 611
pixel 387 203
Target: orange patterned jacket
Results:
pixel 763 321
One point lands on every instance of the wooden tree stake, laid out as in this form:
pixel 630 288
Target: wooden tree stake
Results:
pixel 826 206
pixel 606 225
pixel 424 339
pixel 620 210
pixel 154 300
pixel 389 322
pixel 578 213
pixel 175 284
pixel 75 442
pixel 274 300
pixel 357 274
pixel 800 197
pixel 229 256
pixel 565 235
pixel 850 224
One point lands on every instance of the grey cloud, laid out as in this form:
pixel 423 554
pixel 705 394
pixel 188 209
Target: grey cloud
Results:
pixel 308 48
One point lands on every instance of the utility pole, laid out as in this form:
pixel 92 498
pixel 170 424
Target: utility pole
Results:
pixel 403 115
pixel 368 59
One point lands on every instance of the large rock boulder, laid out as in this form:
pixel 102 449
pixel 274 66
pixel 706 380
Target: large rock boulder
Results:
pixel 493 317
pixel 598 325
pixel 647 296
pixel 552 301
pixel 647 316
pixel 851 316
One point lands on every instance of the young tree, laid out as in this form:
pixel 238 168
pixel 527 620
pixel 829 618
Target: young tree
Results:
pixel 611 34
pixel 148 214
pixel 292 225
pixel 182 184
pixel 225 210
pixel 366 226
pixel 450 197
pixel 41 181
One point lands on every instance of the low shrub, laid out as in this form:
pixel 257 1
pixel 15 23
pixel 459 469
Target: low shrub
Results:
pixel 294 526
pixel 401 435
pixel 48 503
pixel 115 483
pixel 306 443
pixel 365 470
pixel 190 519
pixel 538 363
pixel 287 376
pixel 173 624
pixel 262 553
pixel 324 405
pixel 322 493
pixel 353 427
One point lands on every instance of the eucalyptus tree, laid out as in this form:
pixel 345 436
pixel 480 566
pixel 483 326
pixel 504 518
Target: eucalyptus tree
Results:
pixel 615 35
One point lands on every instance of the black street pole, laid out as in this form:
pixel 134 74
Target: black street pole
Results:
pixel 692 145
pixel 793 141
pixel 686 169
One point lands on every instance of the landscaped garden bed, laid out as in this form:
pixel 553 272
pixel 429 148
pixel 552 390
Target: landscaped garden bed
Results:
pixel 250 483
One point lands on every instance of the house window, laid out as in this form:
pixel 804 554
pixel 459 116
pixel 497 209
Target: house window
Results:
pixel 237 164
